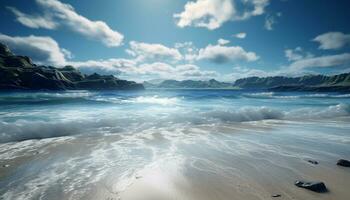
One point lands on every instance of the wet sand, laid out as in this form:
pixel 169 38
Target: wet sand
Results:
pixel 196 164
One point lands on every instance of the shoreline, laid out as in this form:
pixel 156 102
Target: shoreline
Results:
pixel 198 164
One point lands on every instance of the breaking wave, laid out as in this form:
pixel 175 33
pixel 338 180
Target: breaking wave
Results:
pixel 154 100
pixel 246 114
pixel 273 95
pixel 118 122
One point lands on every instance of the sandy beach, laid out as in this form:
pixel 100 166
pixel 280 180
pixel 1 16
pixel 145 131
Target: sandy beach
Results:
pixel 202 162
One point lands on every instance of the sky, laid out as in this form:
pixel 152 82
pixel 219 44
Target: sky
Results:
pixel 178 39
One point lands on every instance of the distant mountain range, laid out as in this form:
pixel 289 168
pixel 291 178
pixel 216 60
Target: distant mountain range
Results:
pixel 187 84
pixel 19 72
pixel 336 83
pixel 320 83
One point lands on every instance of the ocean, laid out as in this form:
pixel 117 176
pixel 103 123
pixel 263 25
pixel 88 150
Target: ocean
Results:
pixel 172 144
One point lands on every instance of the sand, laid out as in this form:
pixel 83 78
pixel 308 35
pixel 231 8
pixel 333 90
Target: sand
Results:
pixel 225 166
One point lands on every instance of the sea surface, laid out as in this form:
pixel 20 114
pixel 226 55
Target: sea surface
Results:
pixel 99 145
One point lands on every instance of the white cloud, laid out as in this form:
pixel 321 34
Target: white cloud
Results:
pixel 258 8
pixel 321 61
pixel 43 50
pixel 34 21
pixel 130 68
pixel 222 54
pixel 143 51
pixel 244 72
pixel 164 70
pixel 332 40
pixel 223 41
pixel 57 13
pixel 205 13
pixel 211 14
pixel 188 50
pixel 269 22
pixel 113 65
pixel 240 35
pixel 297 54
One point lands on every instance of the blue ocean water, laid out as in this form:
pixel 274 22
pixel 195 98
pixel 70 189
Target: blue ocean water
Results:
pixel 49 114
pixel 59 145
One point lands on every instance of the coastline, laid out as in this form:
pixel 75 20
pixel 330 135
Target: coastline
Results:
pixel 262 167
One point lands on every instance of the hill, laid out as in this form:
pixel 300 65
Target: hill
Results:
pixel 19 72
pixel 188 84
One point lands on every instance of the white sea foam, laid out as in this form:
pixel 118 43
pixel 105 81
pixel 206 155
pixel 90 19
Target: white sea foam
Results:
pixel 339 110
pixel 165 101
pixel 116 121
pixel 260 95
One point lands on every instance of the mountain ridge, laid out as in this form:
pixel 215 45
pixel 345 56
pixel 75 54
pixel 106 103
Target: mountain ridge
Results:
pixel 19 72
pixel 188 84
pixel 336 83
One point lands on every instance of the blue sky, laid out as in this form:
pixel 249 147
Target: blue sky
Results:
pixel 179 39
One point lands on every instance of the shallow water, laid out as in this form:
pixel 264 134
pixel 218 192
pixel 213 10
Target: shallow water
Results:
pixel 177 144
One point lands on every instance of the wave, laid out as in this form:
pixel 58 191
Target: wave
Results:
pixel 27 98
pixel 339 110
pixel 273 95
pixel 246 114
pixel 19 127
pixel 154 100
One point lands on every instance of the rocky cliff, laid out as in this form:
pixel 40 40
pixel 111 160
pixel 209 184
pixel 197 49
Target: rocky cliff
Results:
pixel 19 72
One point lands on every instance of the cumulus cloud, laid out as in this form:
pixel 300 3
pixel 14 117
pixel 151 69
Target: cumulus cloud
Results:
pixel 43 50
pixel 32 21
pixel 58 13
pixel 332 40
pixel 155 69
pixel 223 41
pixel 321 61
pixel 211 14
pixel 112 65
pixel 222 54
pixel 244 72
pixel 205 13
pixel 186 71
pixel 143 51
pixel 258 8
pixel 188 50
pixel 297 54
pixel 240 35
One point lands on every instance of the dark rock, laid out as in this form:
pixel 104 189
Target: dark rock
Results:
pixel 313 186
pixel 276 195
pixel 314 162
pixel 138 177
pixel 343 163
pixel 5 166
pixel 19 72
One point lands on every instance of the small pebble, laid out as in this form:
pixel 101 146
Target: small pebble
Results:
pixel 276 195
pixel 343 163
pixel 313 162
pixel 138 177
